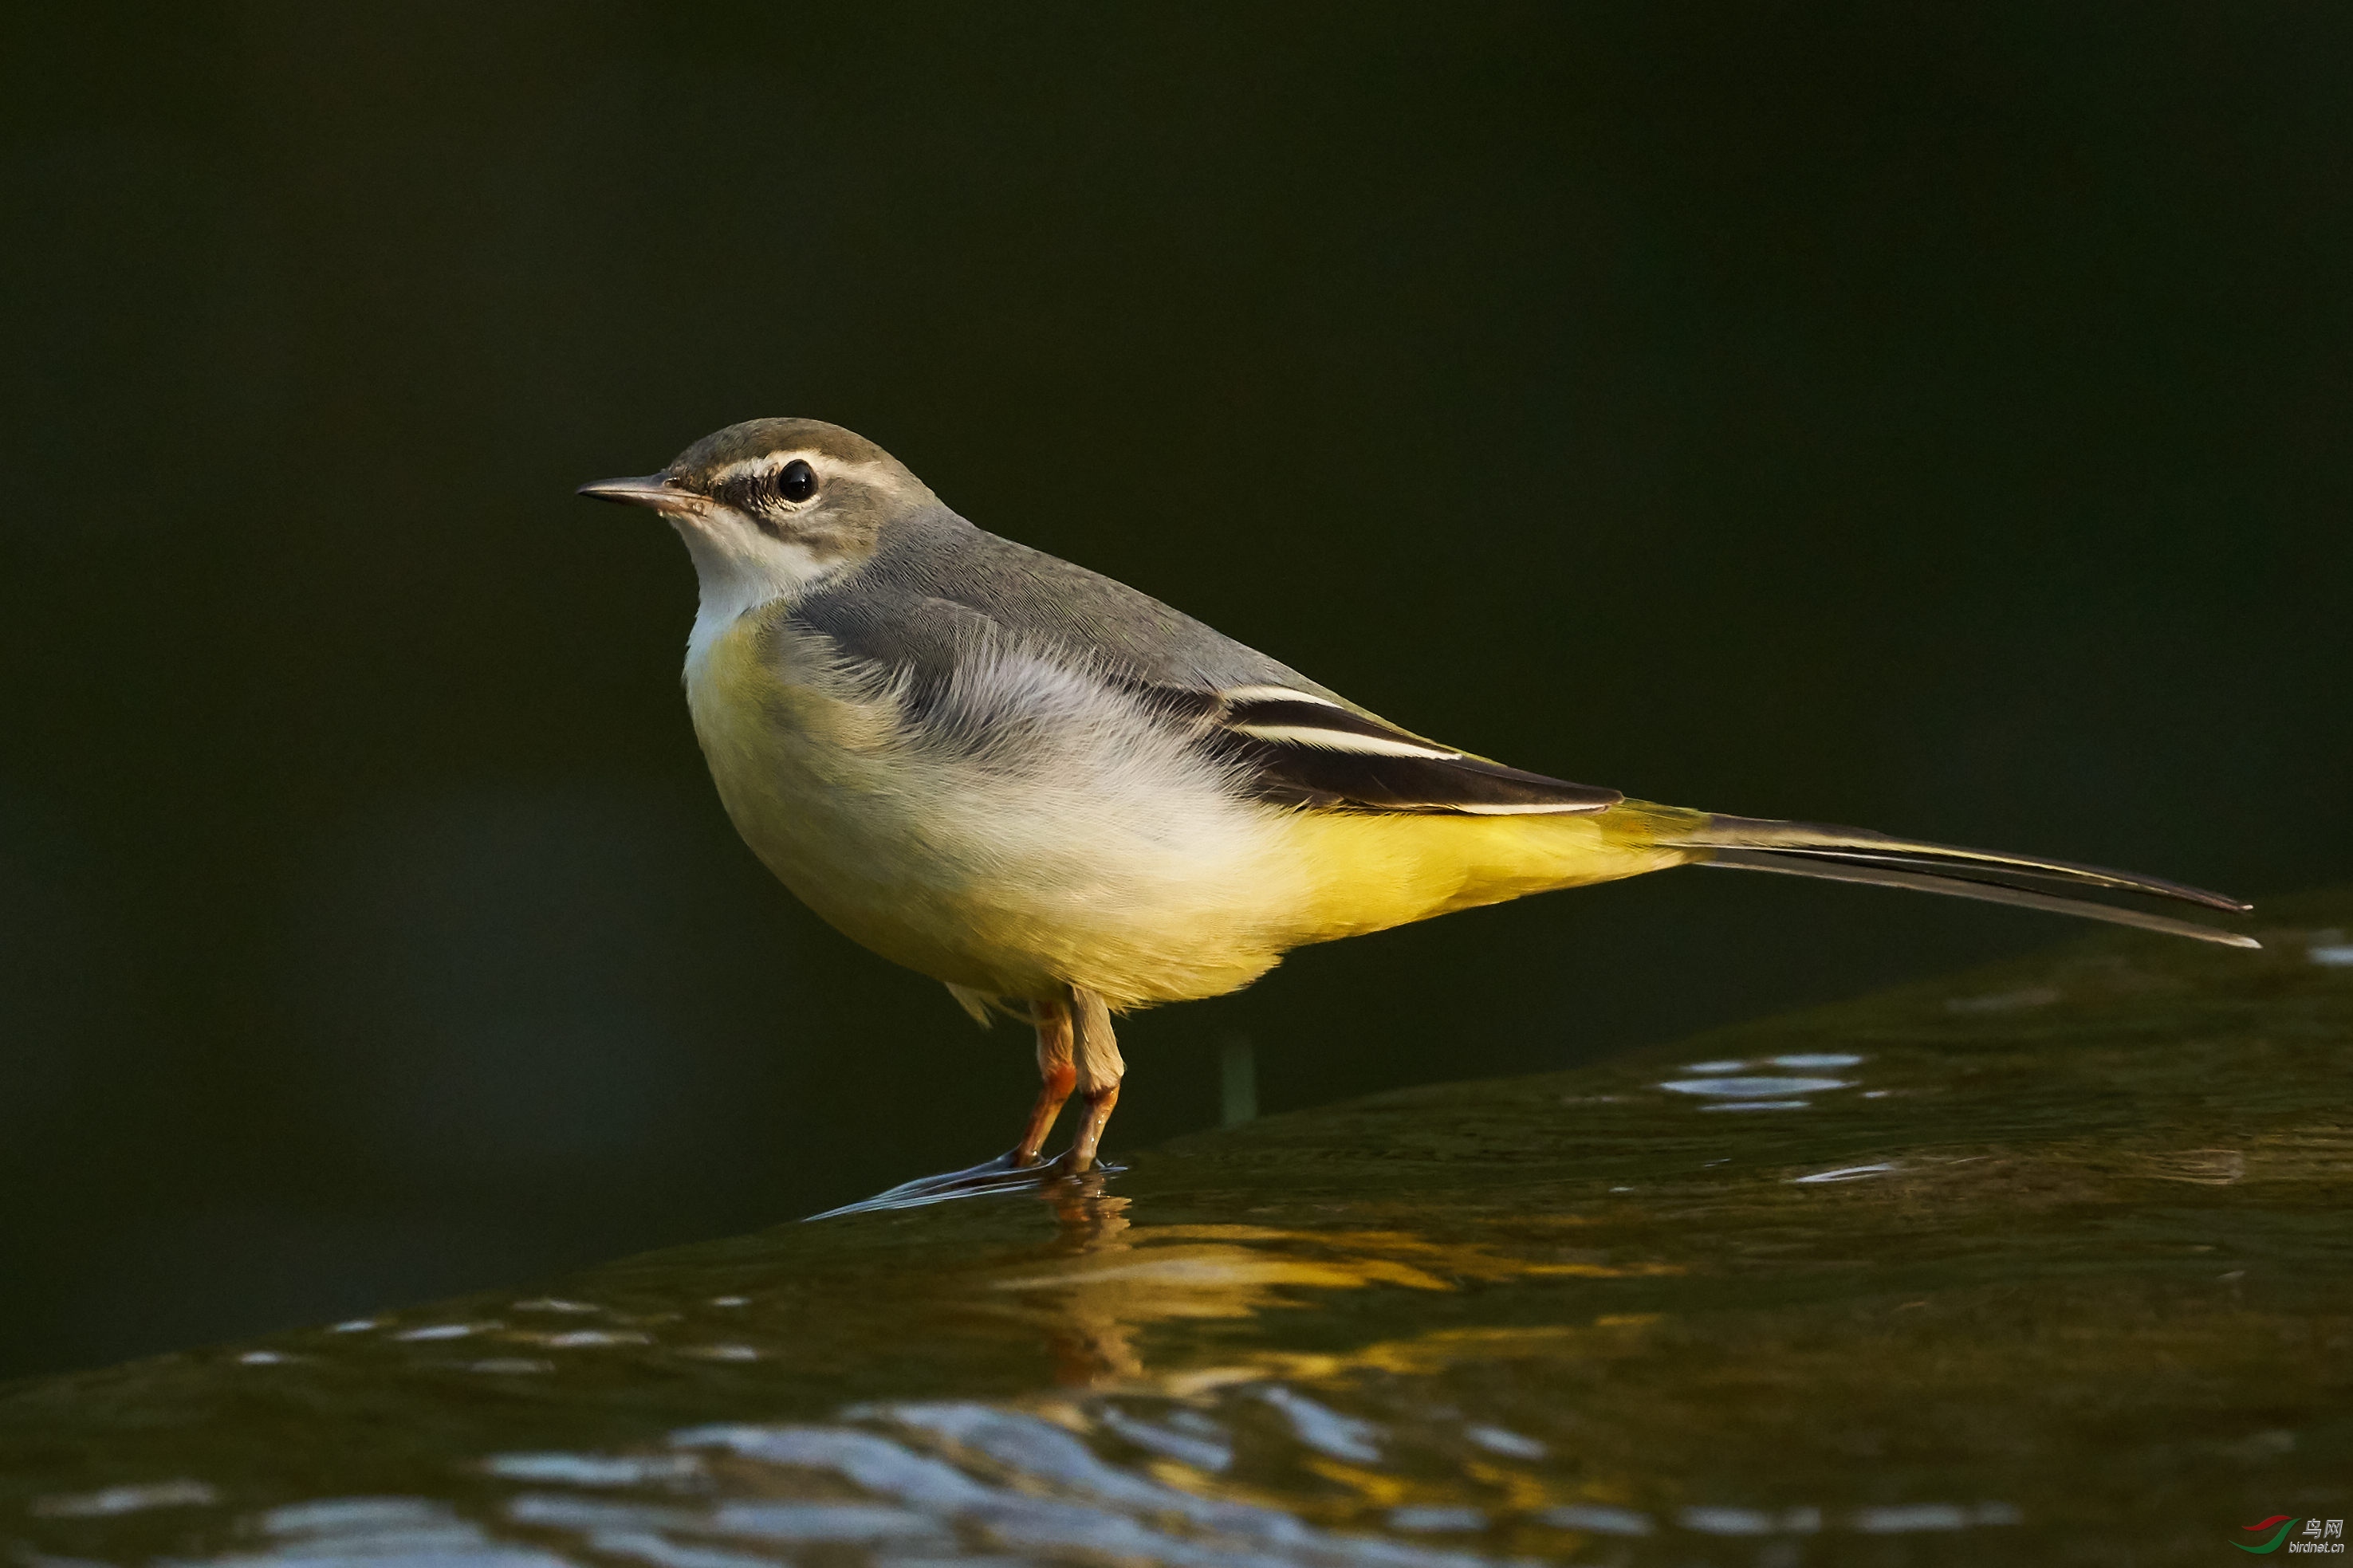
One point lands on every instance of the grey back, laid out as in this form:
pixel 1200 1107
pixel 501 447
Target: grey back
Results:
pixel 935 575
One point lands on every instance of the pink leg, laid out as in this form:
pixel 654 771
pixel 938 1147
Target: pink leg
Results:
pixel 1075 1052
pixel 1098 1070
pixel 1057 1073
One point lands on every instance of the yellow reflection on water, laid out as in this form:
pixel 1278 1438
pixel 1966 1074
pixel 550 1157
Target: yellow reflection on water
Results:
pixel 1114 1278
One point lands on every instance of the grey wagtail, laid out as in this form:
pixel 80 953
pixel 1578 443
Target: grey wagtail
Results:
pixel 1064 799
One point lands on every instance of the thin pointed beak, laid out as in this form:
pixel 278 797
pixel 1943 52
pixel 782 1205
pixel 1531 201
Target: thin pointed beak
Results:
pixel 650 490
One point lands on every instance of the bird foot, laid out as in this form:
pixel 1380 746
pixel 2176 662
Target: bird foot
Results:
pixel 1006 1173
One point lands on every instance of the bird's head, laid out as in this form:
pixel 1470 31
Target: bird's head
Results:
pixel 771 508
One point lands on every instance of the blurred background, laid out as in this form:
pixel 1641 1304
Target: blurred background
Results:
pixel 1933 420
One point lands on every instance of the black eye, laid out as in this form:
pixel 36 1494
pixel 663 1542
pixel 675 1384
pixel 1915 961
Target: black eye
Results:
pixel 797 480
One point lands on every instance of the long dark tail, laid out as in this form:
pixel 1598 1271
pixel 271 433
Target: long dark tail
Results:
pixel 1859 855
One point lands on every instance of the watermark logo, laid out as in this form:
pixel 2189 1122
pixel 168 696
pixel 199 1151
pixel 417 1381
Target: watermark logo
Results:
pixel 2271 1535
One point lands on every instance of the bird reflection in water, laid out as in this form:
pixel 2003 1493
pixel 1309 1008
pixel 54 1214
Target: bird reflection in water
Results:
pixel 1104 1279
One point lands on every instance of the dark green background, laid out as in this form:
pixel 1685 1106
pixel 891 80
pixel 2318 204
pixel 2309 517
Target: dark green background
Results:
pixel 1933 420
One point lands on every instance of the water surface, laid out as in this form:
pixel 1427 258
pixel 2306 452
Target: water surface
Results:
pixel 2044 1263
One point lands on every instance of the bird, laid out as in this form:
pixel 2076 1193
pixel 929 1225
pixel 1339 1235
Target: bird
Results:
pixel 1064 799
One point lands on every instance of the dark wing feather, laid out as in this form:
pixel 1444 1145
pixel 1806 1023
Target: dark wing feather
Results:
pixel 1305 749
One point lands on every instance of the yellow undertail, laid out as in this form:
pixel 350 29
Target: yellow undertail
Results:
pixel 1368 872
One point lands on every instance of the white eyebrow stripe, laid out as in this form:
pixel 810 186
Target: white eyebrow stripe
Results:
pixel 1342 741
pixel 1272 694
pixel 767 463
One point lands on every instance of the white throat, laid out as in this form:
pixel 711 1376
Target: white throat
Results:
pixel 734 579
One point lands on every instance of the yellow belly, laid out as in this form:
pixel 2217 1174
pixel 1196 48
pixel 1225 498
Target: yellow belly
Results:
pixel 1088 877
